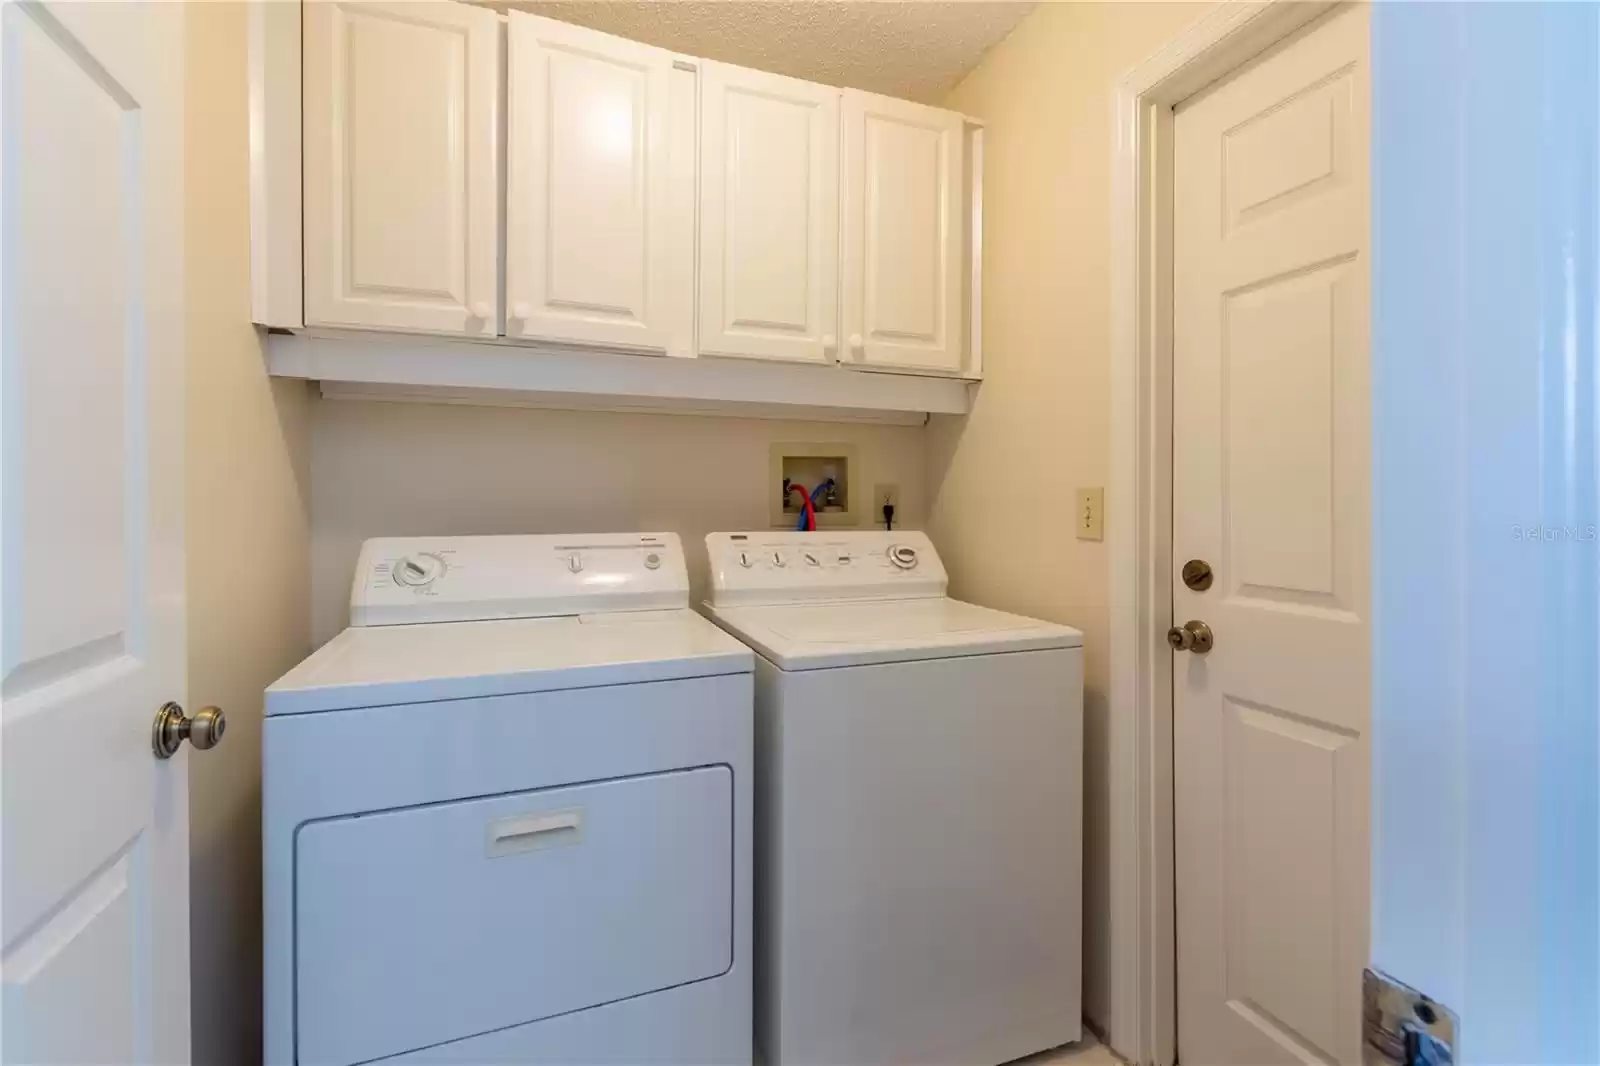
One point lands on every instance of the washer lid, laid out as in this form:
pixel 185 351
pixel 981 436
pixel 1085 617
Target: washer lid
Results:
pixel 822 635
pixel 373 666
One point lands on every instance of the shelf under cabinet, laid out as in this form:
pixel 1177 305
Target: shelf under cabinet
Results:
pixel 502 373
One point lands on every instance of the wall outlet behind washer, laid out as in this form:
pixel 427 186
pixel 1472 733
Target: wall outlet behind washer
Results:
pixel 886 493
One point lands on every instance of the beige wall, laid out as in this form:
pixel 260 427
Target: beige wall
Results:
pixel 394 469
pixel 1002 478
pixel 248 565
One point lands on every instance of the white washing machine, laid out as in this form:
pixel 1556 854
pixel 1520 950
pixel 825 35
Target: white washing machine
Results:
pixel 919 791
pixel 507 814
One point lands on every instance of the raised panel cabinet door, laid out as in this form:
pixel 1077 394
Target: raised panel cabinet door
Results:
pixel 1271 485
pixel 402 211
pixel 95 831
pixel 592 254
pixel 769 216
pixel 904 237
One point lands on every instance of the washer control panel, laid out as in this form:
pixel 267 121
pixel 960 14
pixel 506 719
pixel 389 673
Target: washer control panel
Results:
pixel 787 567
pixel 407 580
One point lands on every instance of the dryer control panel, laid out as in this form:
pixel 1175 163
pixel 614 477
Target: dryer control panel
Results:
pixel 787 567
pixel 406 580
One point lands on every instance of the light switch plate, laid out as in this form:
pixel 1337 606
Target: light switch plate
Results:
pixel 1090 514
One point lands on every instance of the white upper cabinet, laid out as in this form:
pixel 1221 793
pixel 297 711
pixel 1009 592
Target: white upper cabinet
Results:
pixel 599 190
pixel 769 215
pixel 401 180
pixel 904 232
pixel 448 169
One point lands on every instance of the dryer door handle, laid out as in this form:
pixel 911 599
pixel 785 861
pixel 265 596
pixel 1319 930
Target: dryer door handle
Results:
pixel 530 832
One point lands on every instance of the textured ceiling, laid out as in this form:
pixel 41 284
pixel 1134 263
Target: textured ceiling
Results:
pixel 915 49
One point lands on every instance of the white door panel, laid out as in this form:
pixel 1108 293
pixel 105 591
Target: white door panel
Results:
pixel 1271 471
pixel 95 830
pixel 592 252
pixel 401 189
pixel 769 215
pixel 903 234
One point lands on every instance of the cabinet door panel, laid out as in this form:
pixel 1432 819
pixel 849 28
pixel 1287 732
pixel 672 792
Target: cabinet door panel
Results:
pixel 592 255
pixel 904 237
pixel 769 186
pixel 401 201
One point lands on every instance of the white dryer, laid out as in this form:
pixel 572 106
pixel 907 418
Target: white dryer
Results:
pixel 507 814
pixel 919 789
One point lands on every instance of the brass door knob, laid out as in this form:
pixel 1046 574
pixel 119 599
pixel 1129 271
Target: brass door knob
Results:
pixel 1193 636
pixel 204 730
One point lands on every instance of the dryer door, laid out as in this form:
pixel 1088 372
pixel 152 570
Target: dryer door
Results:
pixel 428 924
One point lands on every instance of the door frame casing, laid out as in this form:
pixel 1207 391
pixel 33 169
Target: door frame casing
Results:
pixel 1143 1009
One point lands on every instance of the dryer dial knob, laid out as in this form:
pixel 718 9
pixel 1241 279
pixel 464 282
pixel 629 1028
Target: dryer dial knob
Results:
pixel 418 571
pixel 903 555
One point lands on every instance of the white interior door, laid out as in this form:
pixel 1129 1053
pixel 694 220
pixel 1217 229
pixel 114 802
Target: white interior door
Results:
pixel 1271 486
pixel 904 241
pixel 95 881
pixel 402 206
pixel 592 252
pixel 769 215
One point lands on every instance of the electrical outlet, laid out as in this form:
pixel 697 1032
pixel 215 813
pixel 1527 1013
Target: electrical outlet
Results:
pixel 1090 515
pixel 885 493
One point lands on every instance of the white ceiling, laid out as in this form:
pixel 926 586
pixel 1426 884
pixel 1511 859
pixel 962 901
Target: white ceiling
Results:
pixel 915 49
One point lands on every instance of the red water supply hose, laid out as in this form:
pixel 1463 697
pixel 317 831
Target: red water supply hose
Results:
pixel 805 503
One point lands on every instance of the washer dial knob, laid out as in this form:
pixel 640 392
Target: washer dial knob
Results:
pixel 418 571
pixel 903 555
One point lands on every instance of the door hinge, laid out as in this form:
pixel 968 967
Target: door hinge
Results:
pixel 1403 1027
